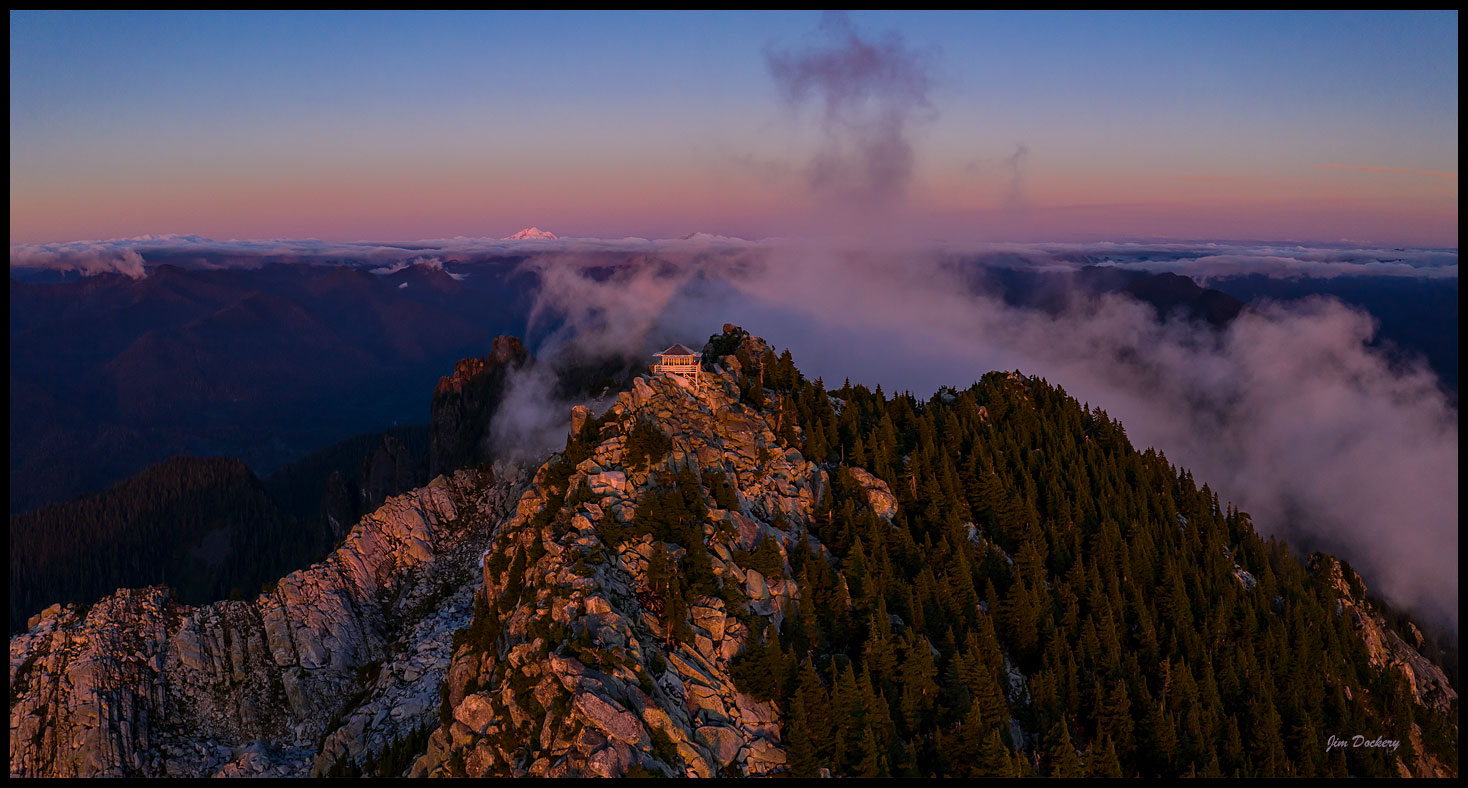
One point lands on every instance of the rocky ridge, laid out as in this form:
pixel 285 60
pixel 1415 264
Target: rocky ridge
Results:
pixel 335 662
pixel 584 676
pixel 1388 651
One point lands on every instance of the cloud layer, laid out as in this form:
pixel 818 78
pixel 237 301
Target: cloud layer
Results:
pixel 1201 260
pixel 1288 413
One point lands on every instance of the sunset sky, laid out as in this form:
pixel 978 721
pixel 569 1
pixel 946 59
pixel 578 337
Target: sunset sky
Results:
pixel 1026 126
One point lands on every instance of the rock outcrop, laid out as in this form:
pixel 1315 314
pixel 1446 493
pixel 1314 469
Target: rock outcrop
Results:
pixel 1388 651
pixel 464 404
pixel 581 670
pixel 1385 648
pixel 338 659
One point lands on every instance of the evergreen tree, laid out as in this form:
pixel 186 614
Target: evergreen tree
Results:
pixel 1060 755
pixel 800 751
pixel 1101 760
pixel 1028 536
pixel 995 760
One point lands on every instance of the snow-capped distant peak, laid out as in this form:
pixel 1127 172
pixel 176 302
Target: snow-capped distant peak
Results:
pixel 703 237
pixel 532 234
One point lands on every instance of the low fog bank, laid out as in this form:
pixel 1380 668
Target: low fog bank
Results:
pixel 1287 412
pixel 1201 260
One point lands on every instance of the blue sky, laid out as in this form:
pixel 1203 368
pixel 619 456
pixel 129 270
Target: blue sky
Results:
pixel 637 124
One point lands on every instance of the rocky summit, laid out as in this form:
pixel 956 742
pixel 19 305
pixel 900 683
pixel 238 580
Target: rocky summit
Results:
pixel 586 675
pixel 589 674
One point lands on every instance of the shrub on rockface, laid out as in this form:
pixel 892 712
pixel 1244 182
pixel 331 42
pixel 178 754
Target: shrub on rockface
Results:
pixel 483 629
pixel 725 344
pixel 764 559
pixel 609 529
pixel 646 446
pixel 762 670
pixel 671 512
pixel 723 492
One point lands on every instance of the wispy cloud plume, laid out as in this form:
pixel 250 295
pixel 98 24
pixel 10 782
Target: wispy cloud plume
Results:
pixel 870 92
pixel 1014 198
pixel 429 262
pixel 84 258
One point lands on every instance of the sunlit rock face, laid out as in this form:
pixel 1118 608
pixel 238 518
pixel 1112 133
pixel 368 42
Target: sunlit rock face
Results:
pixel 1388 652
pixel 141 685
pixel 585 674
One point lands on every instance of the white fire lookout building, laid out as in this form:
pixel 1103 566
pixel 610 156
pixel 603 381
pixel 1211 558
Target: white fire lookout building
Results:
pixel 681 361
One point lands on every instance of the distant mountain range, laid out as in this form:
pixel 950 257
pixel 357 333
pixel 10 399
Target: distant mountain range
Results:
pixel 1416 317
pixel 211 529
pixel 109 373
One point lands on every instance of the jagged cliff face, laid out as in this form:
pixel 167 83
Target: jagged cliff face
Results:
pixel 343 659
pixel 1386 648
pixel 1388 652
pixel 585 677
pixel 464 404
pixel 141 685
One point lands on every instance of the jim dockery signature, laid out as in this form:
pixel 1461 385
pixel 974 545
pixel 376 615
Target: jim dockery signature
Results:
pixel 1332 743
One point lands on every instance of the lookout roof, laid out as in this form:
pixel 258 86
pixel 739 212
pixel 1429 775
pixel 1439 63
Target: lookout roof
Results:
pixel 678 349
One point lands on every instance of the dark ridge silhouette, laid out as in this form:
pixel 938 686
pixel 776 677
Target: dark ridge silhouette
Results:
pixel 109 374
pixel 206 526
pixel 340 483
pixel 464 404
pixel 1169 295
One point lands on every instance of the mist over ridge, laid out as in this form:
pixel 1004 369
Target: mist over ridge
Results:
pixel 1287 411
